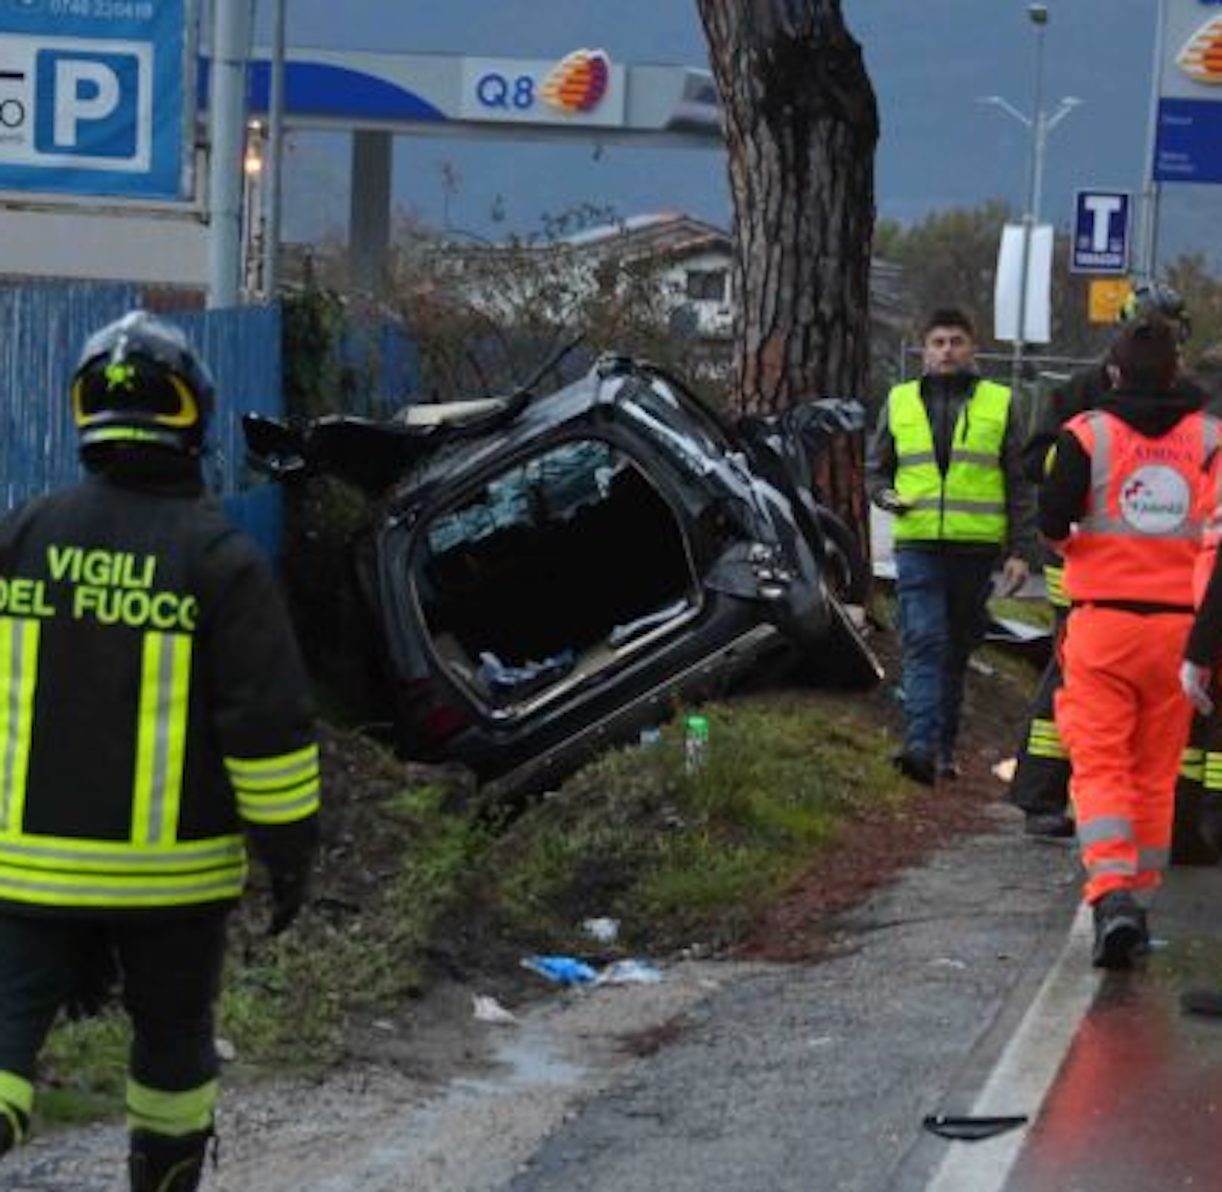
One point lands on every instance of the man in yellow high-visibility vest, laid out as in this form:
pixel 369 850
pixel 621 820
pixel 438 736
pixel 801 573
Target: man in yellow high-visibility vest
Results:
pixel 945 461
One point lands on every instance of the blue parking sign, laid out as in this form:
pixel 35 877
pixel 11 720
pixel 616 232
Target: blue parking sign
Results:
pixel 95 97
pixel 1101 232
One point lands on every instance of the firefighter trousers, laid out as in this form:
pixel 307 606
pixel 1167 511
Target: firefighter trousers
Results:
pixel 171 973
pixel 1125 722
pixel 1041 777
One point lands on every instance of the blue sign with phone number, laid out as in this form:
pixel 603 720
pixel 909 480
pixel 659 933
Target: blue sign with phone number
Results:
pixel 1189 145
pixel 92 97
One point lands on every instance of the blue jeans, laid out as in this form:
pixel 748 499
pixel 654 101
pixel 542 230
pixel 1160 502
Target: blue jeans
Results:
pixel 942 599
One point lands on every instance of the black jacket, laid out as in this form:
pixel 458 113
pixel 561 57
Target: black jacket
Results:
pixel 94 580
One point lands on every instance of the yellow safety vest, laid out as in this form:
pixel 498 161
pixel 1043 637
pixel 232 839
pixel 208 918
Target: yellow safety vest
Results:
pixel 968 503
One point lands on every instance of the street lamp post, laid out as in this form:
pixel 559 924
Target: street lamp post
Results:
pixel 1040 124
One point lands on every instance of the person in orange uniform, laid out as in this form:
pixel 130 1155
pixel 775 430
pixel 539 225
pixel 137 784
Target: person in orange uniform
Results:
pixel 1126 501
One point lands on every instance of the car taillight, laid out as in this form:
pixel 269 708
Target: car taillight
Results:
pixel 426 706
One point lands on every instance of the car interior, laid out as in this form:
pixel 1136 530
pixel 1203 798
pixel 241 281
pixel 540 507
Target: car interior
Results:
pixel 551 572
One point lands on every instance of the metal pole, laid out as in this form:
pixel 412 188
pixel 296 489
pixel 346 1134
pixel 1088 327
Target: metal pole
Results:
pixel 227 120
pixel 1034 180
pixel 275 157
pixel 1147 261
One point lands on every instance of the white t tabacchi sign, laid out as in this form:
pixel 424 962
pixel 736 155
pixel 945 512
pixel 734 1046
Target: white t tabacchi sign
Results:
pixel 1101 232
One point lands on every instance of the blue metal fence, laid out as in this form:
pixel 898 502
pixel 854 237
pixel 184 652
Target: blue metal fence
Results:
pixel 42 328
pixel 381 364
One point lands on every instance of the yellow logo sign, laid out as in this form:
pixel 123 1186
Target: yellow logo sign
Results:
pixel 1107 295
pixel 1201 58
pixel 578 82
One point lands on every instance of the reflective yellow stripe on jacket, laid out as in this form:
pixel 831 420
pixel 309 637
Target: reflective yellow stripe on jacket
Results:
pixel 276 790
pixel 19 665
pixel 61 871
pixel 968 504
pixel 165 695
pixel 153 867
pixel 1054 583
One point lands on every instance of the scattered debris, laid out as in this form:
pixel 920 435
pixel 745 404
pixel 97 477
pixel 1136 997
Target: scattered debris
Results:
pixel 564 970
pixel 1005 769
pixel 971 1129
pixel 602 929
pixel 1207 1002
pixel 629 972
pixel 488 1009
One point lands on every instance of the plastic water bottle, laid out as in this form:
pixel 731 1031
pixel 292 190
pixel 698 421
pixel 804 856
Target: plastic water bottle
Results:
pixel 696 743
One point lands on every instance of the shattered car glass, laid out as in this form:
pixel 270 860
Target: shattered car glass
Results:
pixel 549 574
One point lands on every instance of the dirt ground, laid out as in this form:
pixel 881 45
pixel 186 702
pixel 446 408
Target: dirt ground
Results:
pixel 438 1058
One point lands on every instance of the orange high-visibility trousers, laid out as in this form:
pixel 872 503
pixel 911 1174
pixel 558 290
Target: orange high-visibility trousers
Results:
pixel 1125 721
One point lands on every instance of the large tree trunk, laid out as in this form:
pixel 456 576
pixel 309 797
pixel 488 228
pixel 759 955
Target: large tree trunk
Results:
pixel 801 128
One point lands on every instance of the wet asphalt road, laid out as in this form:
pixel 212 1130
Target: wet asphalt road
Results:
pixel 818 1078
pixel 1137 1106
pixel 965 989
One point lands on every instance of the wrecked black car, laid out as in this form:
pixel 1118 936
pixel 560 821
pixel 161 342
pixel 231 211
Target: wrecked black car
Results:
pixel 549 574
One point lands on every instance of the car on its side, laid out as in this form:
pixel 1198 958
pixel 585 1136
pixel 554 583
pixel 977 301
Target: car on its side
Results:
pixel 547 575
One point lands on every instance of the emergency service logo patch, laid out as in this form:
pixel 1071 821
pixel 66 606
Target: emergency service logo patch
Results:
pixel 1155 500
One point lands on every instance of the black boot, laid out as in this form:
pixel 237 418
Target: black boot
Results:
pixel 1121 933
pixel 159 1163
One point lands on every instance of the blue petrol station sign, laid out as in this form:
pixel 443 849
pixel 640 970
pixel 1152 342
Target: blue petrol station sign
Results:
pixel 93 97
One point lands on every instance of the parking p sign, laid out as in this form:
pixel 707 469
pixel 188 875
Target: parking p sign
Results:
pixel 93 97
pixel 1101 232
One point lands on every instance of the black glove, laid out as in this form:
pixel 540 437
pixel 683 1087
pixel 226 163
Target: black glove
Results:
pixel 289 890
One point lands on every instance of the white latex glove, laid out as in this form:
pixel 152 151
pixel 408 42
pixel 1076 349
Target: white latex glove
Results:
pixel 890 501
pixel 1194 680
pixel 1014 573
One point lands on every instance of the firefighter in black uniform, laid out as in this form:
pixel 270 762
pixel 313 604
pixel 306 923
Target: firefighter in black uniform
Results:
pixel 154 717
pixel 1041 780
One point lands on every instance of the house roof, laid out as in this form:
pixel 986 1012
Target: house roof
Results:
pixel 662 232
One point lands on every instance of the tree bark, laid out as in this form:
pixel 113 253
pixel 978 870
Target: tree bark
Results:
pixel 801 126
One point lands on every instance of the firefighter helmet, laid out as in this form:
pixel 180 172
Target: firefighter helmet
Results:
pixel 1156 297
pixel 138 381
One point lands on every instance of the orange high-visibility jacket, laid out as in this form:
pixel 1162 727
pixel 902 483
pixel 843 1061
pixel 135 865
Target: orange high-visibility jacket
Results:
pixel 1141 532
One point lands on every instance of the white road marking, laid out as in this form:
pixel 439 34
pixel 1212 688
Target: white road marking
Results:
pixel 1027 1067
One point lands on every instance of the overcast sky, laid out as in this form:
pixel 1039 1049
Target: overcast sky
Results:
pixel 931 61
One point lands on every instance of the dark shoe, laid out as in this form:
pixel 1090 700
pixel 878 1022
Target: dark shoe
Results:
pixel 949 769
pixel 1121 934
pixel 1202 1001
pixel 917 766
pixel 159 1163
pixel 1052 825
